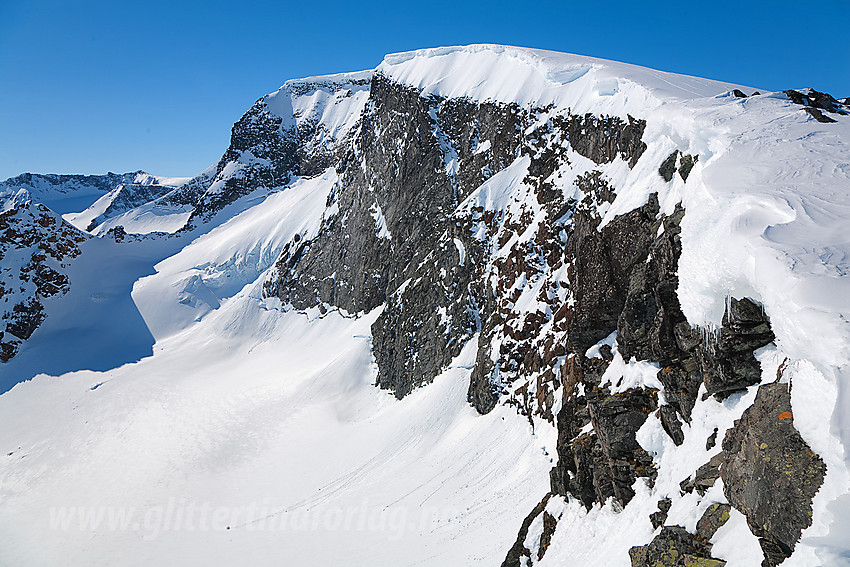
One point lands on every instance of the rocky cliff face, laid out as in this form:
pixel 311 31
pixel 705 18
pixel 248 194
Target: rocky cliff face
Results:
pixel 423 225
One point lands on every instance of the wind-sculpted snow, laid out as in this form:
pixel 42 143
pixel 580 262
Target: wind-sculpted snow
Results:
pixel 533 77
pixel 611 304
pixel 217 265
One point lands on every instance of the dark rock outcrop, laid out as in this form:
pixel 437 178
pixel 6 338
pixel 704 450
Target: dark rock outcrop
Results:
pixel 616 419
pixel 268 148
pixel 668 167
pixel 813 99
pixel 770 474
pixel 686 164
pixel 818 115
pixel 726 358
pixel 674 547
pixel 415 160
pixel 814 103
pixel 617 289
pixel 601 139
pixel 604 462
pixel 683 163
pixel 651 311
pixel 704 477
pixel 520 555
pixel 601 269
pixel 658 517
pixel 36 249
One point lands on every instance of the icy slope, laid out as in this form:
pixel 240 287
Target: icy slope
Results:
pixel 599 293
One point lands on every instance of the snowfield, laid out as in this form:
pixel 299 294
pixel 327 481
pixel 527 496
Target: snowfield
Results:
pixel 167 413
pixel 319 465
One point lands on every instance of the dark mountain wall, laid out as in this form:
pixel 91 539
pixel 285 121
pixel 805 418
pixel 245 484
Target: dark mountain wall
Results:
pixel 538 280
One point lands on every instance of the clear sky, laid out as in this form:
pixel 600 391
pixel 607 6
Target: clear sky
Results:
pixel 90 87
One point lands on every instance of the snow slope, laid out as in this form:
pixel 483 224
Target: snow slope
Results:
pixel 263 426
pixel 216 266
pixel 280 409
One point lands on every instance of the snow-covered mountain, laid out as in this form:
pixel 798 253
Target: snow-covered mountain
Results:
pixel 480 305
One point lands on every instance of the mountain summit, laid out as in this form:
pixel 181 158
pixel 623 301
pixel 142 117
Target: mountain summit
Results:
pixel 481 304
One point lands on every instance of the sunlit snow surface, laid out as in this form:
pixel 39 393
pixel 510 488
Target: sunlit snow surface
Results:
pixel 270 418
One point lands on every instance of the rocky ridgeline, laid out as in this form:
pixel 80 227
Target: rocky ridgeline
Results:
pixel 128 196
pixel 67 184
pixel 266 152
pixel 537 280
pixel 36 248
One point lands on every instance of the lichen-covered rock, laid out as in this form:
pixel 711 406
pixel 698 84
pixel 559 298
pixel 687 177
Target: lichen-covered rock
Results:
pixel 712 520
pixel 769 472
pixel 674 547
pixel 704 477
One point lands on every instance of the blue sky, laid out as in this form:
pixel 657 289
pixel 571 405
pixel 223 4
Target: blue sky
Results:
pixel 90 87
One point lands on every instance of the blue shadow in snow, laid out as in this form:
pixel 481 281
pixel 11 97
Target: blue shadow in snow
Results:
pixel 96 325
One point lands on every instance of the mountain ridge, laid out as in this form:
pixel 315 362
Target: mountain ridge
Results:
pixel 591 262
